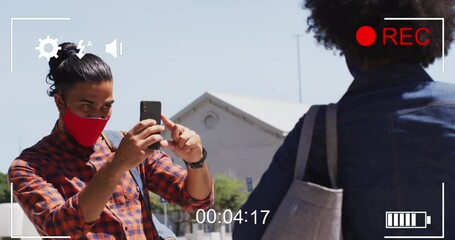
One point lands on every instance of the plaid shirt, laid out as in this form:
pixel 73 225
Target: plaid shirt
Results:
pixel 48 177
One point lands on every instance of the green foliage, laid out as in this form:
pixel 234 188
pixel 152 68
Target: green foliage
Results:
pixel 4 189
pixel 155 203
pixel 230 193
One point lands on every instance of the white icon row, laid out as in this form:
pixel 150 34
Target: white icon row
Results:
pixel 48 48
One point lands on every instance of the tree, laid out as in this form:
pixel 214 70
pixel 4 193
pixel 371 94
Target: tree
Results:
pixel 230 193
pixel 4 189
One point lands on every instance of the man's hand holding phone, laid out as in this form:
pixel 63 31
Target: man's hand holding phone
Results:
pixel 145 137
pixel 134 147
pixel 185 143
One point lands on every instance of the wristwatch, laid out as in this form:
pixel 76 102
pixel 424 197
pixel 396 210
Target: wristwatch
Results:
pixel 198 164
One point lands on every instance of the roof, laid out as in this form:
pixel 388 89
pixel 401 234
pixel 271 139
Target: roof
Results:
pixel 274 116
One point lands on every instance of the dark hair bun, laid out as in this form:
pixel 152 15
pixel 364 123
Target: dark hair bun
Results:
pixel 62 55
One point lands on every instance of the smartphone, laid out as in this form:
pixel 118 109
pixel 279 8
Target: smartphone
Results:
pixel 151 110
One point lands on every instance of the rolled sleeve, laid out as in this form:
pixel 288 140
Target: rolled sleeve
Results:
pixel 194 204
pixel 167 179
pixel 49 212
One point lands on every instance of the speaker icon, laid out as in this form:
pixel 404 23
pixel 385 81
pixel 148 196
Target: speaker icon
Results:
pixel 112 48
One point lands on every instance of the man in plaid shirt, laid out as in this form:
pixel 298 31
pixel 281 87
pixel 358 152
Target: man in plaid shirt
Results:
pixel 71 184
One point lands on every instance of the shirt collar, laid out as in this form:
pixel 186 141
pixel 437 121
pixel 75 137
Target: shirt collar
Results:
pixel 394 73
pixel 65 142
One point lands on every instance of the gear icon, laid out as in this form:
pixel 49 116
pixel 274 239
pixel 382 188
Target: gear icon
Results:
pixel 52 52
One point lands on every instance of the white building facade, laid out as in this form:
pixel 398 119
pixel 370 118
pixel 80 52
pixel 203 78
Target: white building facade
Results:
pixel 241 134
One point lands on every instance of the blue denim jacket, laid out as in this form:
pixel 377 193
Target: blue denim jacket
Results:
pixel 396 137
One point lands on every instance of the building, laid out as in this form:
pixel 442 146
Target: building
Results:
pixel 241 134
pixel 18 223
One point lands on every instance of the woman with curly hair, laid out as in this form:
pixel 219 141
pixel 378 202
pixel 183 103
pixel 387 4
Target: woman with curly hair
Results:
pixel 396 125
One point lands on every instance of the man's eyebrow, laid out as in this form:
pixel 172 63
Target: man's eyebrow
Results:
pixel 87 101
pixel 92 102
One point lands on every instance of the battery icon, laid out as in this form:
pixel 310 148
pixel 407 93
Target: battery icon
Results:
pixel 408 219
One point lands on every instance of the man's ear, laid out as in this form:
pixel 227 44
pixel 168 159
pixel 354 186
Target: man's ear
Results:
pixel 59 102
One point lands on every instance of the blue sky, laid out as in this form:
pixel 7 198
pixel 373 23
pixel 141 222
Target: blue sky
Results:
pixel 173 51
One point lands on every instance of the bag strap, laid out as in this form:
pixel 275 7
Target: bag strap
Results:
pixel 331 137
pixel 113 139
pixel 306 135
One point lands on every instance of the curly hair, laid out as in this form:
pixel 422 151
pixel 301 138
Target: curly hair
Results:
pixel 335 23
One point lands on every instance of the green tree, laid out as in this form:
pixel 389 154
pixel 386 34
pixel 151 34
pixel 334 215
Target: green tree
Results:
pixel 230 193
pixel 4 189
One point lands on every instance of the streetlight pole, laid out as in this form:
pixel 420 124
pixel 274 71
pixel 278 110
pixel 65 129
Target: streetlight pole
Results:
pixel 299 66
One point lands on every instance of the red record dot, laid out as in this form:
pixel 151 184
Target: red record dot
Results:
pixel 366 36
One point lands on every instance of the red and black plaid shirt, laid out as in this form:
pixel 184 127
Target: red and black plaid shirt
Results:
pixel 48 177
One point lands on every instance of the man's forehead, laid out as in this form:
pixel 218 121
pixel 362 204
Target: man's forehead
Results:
pixel 91 92
pixel 93 85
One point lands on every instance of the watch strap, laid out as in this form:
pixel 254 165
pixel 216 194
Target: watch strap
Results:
pixel 200 163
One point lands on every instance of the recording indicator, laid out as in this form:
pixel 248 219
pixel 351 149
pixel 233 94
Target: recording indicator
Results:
pixel 407 219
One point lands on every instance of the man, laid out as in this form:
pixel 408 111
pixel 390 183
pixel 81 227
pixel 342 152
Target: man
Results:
pixel 71 184
pixel 396 141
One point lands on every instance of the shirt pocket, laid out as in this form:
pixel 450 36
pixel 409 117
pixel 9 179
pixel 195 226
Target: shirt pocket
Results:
pixel 129 187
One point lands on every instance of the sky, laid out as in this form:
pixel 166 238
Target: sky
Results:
pixel 173 51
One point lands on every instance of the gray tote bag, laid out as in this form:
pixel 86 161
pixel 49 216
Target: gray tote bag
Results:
pixel 310 211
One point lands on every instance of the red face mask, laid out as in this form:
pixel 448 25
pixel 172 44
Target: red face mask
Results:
pixel 85 130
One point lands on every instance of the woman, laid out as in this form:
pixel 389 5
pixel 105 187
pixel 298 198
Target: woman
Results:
pixel 395 125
